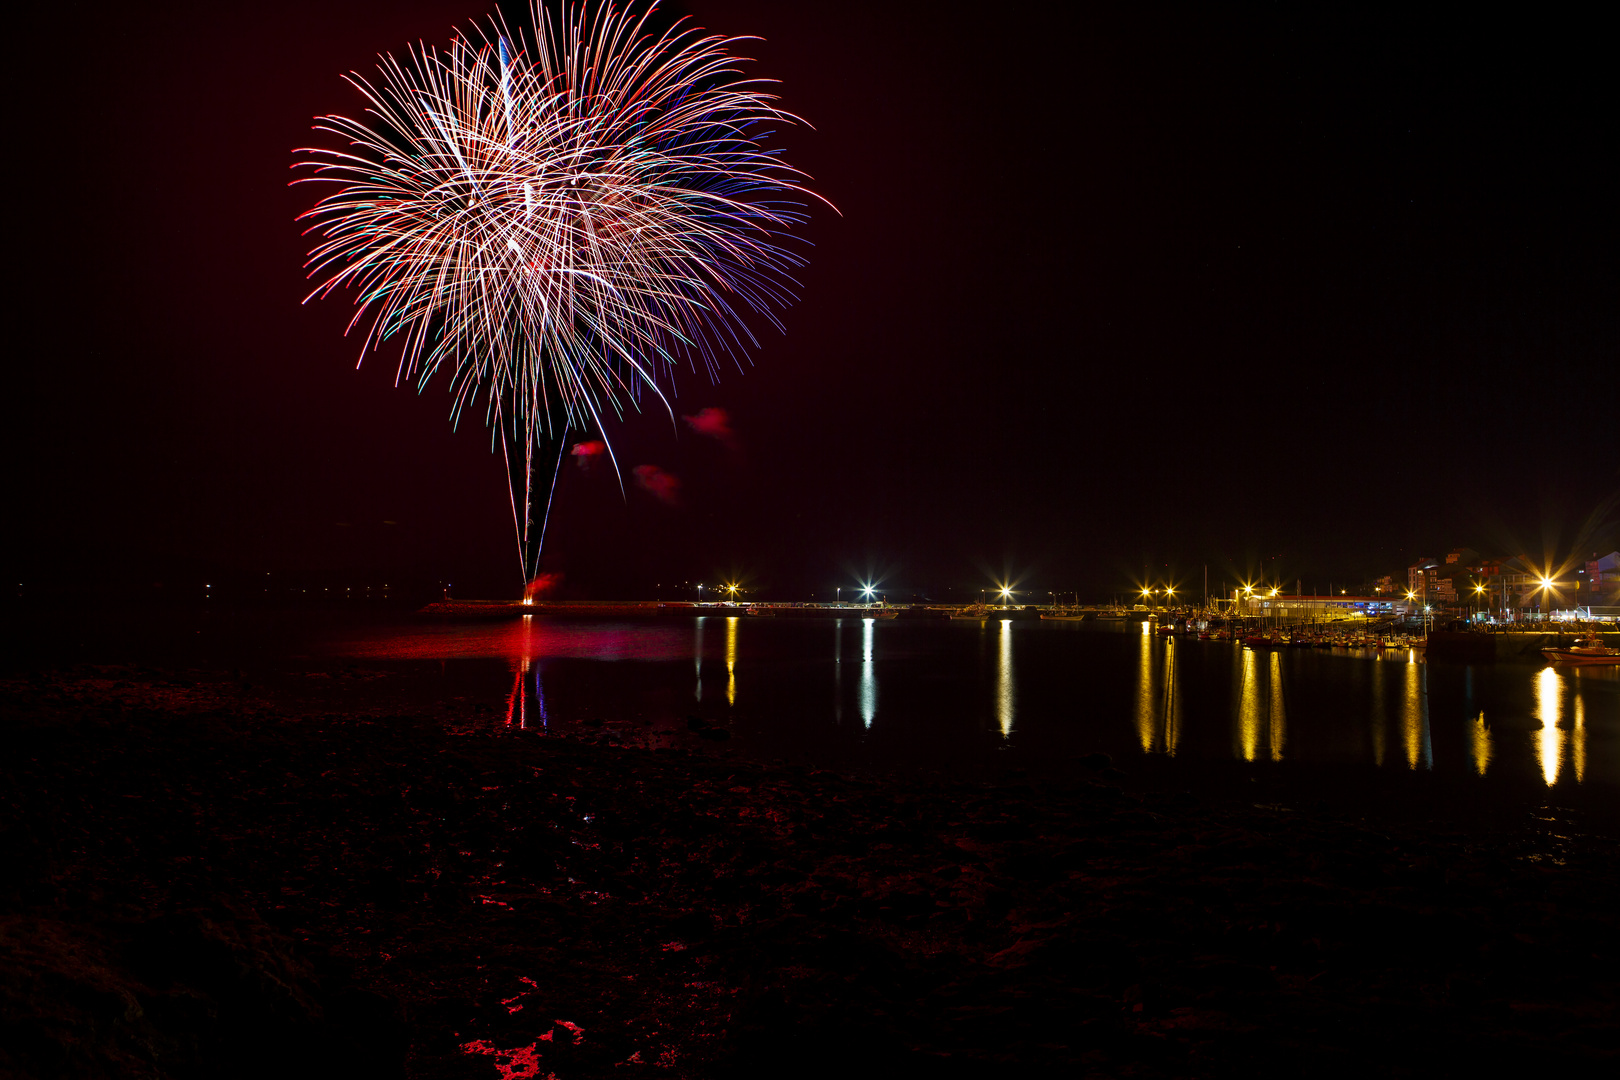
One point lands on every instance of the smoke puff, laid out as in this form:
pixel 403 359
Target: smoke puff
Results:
pixel 658 483
pixel 541 586
pixel 585 453
pixel 715 423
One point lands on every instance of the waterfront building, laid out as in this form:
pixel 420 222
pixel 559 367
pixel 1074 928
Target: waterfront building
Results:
pixel 1415 574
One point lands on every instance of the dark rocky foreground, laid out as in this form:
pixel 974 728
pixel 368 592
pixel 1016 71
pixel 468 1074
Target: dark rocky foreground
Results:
pixel 200 881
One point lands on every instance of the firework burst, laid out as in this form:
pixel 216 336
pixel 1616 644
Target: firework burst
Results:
pixel 561 221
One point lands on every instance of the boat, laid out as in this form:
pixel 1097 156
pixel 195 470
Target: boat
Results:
pixel 1588 650
pixel 977 611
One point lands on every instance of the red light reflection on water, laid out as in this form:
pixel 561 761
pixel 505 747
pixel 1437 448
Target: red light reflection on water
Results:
pixel 526 639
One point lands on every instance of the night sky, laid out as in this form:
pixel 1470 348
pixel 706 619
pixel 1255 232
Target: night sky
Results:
pixel 1283 294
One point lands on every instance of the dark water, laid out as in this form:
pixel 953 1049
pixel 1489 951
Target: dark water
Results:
pixel 964 695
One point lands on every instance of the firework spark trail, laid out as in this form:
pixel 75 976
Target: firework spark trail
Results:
pixel 561 227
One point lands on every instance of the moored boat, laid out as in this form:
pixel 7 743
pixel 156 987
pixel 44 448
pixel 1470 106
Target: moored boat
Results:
pixel 1589 650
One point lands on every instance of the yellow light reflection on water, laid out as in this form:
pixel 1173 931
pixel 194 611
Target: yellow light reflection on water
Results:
pixel 1144 693
pixel 1277 728
pixel 1549 709
pixel 1415 716
pixel 1004 679
pixel 1479 737
pixel 1249 707
pixel 1577 739
pixel 1171 713
pixel 731 660
pixel 868 675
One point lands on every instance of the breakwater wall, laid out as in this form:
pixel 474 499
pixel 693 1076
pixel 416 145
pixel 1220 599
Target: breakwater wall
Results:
pixel 1477 648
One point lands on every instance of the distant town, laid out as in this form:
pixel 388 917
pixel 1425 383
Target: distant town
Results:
pixel 1463 584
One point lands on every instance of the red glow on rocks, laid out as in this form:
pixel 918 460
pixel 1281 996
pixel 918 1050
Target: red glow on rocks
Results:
pixel 661 485
pixel 519 1063
pixel 716 424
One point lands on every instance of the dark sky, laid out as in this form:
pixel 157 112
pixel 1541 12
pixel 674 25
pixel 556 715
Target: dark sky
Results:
pixel 1299 294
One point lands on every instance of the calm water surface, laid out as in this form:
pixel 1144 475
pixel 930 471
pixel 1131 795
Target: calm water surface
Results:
pixel 961 694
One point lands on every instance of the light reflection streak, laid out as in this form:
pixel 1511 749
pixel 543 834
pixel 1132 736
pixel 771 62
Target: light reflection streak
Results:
pixel 1144 694
pixel 1577 738
pixel 1415 716
pixel 838 671
pixel 1004 680
pixel 1262 711
pixel 868 676
pixel 517 704
pixel 731 660
pixel 1277 729
pixel 1158 703
pixel 1249 706
pixel 697 656
pixel 1172 705
pixel 1479 736
pixel 1549 710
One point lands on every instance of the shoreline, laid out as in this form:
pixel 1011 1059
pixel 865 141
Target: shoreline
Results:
pixel 200 865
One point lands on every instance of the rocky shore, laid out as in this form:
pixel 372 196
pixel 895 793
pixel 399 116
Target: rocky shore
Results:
pixel 202 880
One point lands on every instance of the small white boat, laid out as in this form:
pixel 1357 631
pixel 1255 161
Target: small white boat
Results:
pixel 1589 650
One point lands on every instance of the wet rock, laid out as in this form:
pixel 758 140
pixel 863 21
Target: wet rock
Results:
pixel 385 888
